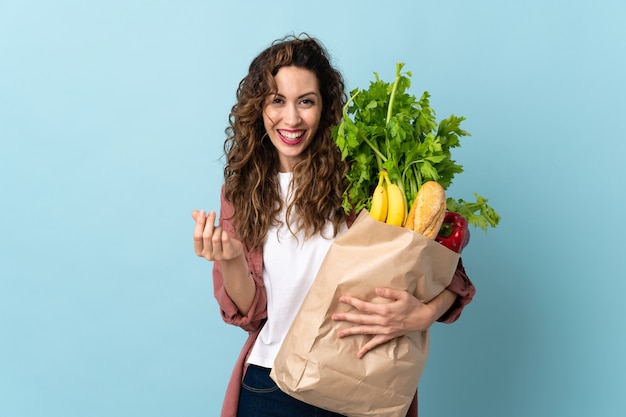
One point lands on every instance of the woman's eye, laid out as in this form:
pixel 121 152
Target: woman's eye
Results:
pixel 308 102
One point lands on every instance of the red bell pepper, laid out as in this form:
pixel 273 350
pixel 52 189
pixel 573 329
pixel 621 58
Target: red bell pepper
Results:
pixel 454 233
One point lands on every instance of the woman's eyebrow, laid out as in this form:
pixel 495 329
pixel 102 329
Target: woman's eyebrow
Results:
pixel 278 94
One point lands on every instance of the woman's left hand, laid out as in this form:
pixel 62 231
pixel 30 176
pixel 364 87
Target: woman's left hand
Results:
pixel 399 314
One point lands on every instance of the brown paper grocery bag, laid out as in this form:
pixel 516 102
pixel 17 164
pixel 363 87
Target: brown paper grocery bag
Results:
pixel 317 367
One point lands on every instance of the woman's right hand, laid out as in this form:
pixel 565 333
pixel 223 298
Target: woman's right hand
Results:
pixel 212 242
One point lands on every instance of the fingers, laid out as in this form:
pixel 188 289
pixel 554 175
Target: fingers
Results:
pixel 355 302
pixel 212 236
pixel 374 342
pixel 359 318
pixel 380 336
pixel 370 329
pixel 201 214
pixel 391 294
pixel 204 234
pixel 369 324
pixel 222 240
pixel 379 305
pixel 212 242
pixel 200 219
pixel 382 318
pixel 366 314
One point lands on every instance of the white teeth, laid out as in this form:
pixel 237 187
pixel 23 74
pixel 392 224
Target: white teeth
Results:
pixel 290 135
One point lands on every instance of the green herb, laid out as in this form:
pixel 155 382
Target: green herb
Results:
pixel 387 128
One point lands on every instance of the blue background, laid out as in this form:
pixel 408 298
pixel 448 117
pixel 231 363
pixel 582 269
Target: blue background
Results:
pixel 112 117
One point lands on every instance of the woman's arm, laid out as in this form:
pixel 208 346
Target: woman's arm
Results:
pixel 465 291
pixel 404 313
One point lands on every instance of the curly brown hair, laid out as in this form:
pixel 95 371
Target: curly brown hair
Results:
pixel 251 170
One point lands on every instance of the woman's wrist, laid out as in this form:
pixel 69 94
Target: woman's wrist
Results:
pixel 441 303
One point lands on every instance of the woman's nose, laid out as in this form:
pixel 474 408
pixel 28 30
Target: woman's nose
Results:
pixel 292 115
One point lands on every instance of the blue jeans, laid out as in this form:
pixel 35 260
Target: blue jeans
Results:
pixel 261 397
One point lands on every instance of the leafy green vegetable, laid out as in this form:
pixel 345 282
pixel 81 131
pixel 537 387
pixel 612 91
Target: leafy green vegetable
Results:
pixel 387 128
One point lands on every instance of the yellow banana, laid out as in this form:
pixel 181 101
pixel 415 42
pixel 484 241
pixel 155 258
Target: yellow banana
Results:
pixel 396 210
pixel 379 206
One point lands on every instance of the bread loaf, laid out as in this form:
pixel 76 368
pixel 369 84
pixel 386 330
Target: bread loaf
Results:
pixel 429 208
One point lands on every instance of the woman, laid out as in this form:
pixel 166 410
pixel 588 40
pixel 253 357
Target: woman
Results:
pixel 280 211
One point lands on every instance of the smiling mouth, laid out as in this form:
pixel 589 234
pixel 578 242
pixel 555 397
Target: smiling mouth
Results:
pixel 291 137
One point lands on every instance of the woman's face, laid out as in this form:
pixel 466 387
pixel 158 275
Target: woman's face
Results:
pixel 291 116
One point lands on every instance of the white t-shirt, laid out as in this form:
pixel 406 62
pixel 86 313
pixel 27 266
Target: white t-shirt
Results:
pixel 290 264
